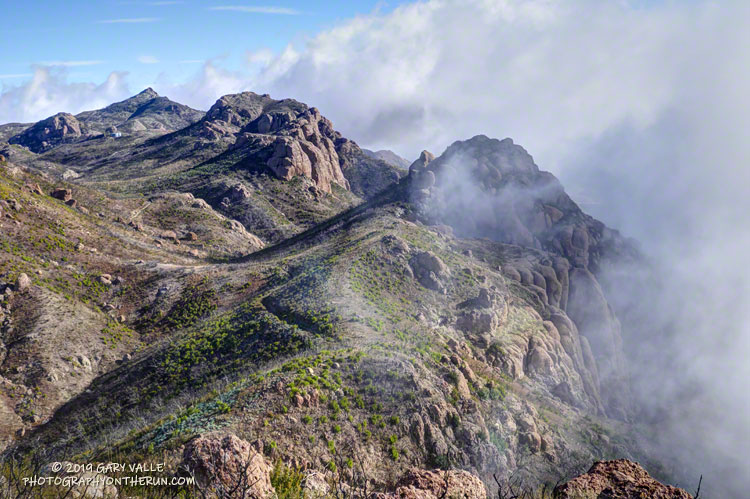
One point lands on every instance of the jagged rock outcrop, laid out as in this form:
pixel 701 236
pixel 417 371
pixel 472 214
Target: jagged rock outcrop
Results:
pixel 290 138
pixel 596 321
pixel 48 133
pixel 419 164
pixel 618 479
pixel 492 188
pixel 227 467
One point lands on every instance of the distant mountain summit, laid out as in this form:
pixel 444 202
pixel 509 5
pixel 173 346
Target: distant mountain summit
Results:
pixel 146 111
pixel 389 157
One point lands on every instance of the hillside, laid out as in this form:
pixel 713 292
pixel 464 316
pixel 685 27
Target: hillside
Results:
pixel 253 281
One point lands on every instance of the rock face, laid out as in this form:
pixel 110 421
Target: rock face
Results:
pixel 46 134
pixel 290 138
pixel 493 189
pixel 228 467
pixel 619 479
pixel 435 484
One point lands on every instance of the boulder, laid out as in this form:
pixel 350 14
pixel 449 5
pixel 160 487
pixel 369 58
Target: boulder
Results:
pixel 227 467
pixel 70 174
pixel 435 484
pixel 62 194
pixel 477 322
pixel 485 299
pixel 169 234
pixel 238 193
pixel 618 479
pixel 429 270
pixel 423 179
pixel 23 283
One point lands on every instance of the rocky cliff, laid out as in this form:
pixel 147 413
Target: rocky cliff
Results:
pixel 490 188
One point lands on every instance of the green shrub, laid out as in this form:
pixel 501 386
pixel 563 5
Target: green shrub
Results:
pixel 287 482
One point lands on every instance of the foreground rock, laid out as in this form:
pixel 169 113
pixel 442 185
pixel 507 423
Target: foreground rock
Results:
pixel 227 467
pixel 618 479
pixel 433 484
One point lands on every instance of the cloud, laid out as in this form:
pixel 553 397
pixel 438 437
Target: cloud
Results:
pixel 16 75
pixel 640 108
pixel 135 20
pixel 258 10
pixel 70 64
pixel 201 92
pixel 48 92
pixel 148 59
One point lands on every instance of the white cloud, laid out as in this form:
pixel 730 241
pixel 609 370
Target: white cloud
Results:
pixel 134 20
pixel 148 59
pixel 48 92
pixel 202 91
pixel 70 64
pixel 258 10
pixel 16 75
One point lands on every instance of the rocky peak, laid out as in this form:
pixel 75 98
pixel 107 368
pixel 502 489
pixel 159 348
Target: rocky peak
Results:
pixel 389 157
pixel 485 156
pixel 147 94
pixel 238 109
pixel 492 188
pixel 145 111
pixel 291 138
pixel 50 132
pixel 421 162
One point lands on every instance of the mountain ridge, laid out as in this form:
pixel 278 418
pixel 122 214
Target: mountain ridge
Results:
pixel 446 318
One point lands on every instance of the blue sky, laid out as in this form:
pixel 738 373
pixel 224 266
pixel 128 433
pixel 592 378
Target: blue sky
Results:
pixel 146 38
